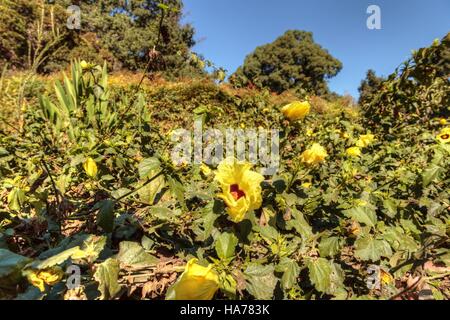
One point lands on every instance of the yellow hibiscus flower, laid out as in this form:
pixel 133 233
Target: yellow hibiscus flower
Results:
pixel 315 155
pixel 296 110
pixel 386 278
pixel 307 185
pixel 365 140
pixel 444 136
pixel 90 167
pixel 241 188
pixel 86 65
pixel 354 152
pixel 196 283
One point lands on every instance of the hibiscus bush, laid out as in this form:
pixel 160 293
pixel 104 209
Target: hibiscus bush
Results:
pixel 93 207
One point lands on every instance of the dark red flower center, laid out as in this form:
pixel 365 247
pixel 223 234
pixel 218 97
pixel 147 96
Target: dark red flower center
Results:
pixel 445 137
pixel 236 192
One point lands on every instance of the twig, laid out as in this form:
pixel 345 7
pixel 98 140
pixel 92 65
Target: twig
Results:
pixel 408 289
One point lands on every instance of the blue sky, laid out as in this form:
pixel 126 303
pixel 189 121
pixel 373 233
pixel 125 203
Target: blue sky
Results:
pixel 228 30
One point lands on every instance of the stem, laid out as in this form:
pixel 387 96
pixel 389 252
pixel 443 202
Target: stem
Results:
pixel 139 188
pixel 55 189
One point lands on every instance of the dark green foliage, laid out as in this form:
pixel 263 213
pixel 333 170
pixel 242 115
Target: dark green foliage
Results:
pixel 293 61
pixel 369 87
pixel 415 93
pixel 123 33
pixel 132 30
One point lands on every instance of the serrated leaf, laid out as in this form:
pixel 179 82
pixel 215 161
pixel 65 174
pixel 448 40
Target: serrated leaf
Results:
pixel 390 208
pixel 269 233
pixel 260 281
pixel 329 247
pixel 107 275
pixel 91 248
pixel 149 194
pixel 430 174
pixel 320 274
pixel 148 166
pixel 364 215
pixel 132 254
pixel 370 249
pixel 177 190
pixel 291 271
pixel 299 223
pixel 225 245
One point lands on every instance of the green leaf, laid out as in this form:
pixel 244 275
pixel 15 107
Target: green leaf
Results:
pixel 364 215
pixel 11 262
pixel 268 232
pixel 132 254
pixel 370 249
pixel 326 276
pixel 329 247
pixel 105 216
pixel 177 190
pixel 228 285
pixel 148 166
pixel 400 241
pixel 431 174
pixel 390 208
pixel 260 281
pixel 107 275
pixel 151 192
pixel 91 248
pixel 225 245
pixel 299 223
pixel 320 274
pixel 57 259
pixel 291 271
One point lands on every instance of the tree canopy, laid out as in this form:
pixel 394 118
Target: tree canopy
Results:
pixel 121 32
pixel 293 61
pixel 369 86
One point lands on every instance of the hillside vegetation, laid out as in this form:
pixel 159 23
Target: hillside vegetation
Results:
pixel 93 207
